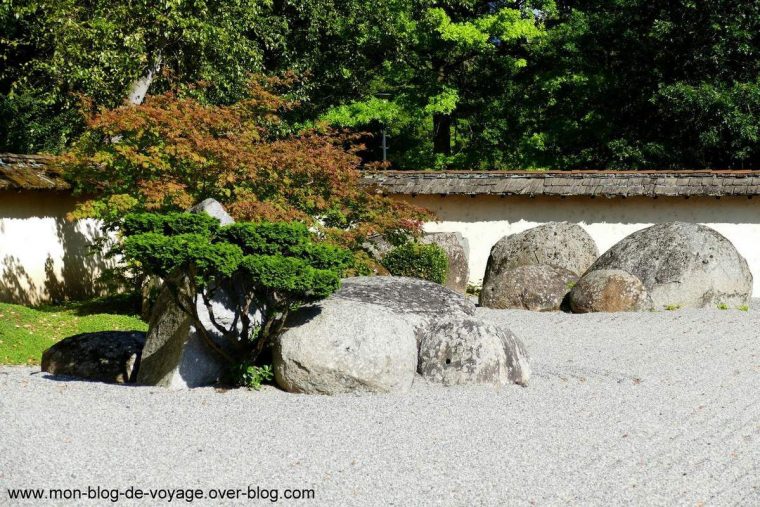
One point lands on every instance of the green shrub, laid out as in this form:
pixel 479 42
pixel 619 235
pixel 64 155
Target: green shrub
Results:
pixel 418 260
pixel 250 376
pixel 272 267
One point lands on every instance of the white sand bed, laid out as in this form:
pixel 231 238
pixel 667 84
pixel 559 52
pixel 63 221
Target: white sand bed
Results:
pixel 651 409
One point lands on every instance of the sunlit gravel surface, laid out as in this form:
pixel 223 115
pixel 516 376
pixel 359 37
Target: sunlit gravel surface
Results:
pixel 649 409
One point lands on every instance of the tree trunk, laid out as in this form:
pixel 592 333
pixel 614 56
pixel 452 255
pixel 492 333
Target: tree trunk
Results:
pixel 139 87
pixel 442 133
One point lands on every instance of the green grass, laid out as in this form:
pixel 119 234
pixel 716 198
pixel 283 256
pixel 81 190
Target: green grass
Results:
pixel 26 332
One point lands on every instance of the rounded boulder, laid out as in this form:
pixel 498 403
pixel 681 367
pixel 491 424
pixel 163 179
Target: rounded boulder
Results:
pixel 609 290
pixel 460 351
pixel 342 346
pixel 559 244
pixel 535 287
pixel 682 265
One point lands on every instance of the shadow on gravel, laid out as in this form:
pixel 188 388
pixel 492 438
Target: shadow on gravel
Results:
pixel 69 378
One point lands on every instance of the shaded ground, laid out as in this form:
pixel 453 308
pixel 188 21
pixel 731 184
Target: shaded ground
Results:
pixel 650 408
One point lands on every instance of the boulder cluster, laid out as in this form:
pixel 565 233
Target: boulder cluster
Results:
pixel 375 334
pixel 533 270
pixel 669 265
pixel 380 334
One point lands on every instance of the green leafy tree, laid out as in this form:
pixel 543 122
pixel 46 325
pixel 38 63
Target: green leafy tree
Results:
pixel 57 53
pixel 441 65
pixel 176 151
pixel 634 84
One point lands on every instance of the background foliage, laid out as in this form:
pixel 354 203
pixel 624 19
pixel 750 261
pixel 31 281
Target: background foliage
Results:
pixel 418 260
pixel 455 83
pixel 174 151
pixel 58 53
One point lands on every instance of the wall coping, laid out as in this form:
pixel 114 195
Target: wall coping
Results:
pixel 37 173
pixel 29 172
pixel 665 183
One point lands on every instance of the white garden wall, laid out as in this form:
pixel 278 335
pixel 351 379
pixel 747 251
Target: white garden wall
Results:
pixel 44 257
pixel 484 219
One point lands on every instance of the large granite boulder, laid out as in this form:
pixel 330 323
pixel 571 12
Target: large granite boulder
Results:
pixel 559 244
pixel 456 351
pixel 107 356
pixel 538 288
pixel 176 354
pixel 567 247
pixel 366 336
pixel 609 290
pixel 457 252
pixel 342 346
pixel 682 264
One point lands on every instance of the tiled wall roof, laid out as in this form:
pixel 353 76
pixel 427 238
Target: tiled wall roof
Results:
pixel 34 172
pixel 29 172
pixel 567 183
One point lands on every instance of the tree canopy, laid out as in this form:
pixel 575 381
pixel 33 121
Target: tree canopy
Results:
pixel 171 152
pixel 525 84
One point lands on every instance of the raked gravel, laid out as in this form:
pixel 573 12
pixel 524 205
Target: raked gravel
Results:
pixel 649 408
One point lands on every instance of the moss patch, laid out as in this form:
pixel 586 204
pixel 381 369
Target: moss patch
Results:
pixel 26 332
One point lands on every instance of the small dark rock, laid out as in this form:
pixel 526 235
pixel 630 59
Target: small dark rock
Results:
pixel 107 356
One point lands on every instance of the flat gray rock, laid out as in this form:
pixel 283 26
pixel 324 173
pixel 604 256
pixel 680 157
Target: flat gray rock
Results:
pixel 107 356
pixel 683 265
pixel 404 295
pixel 461 351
